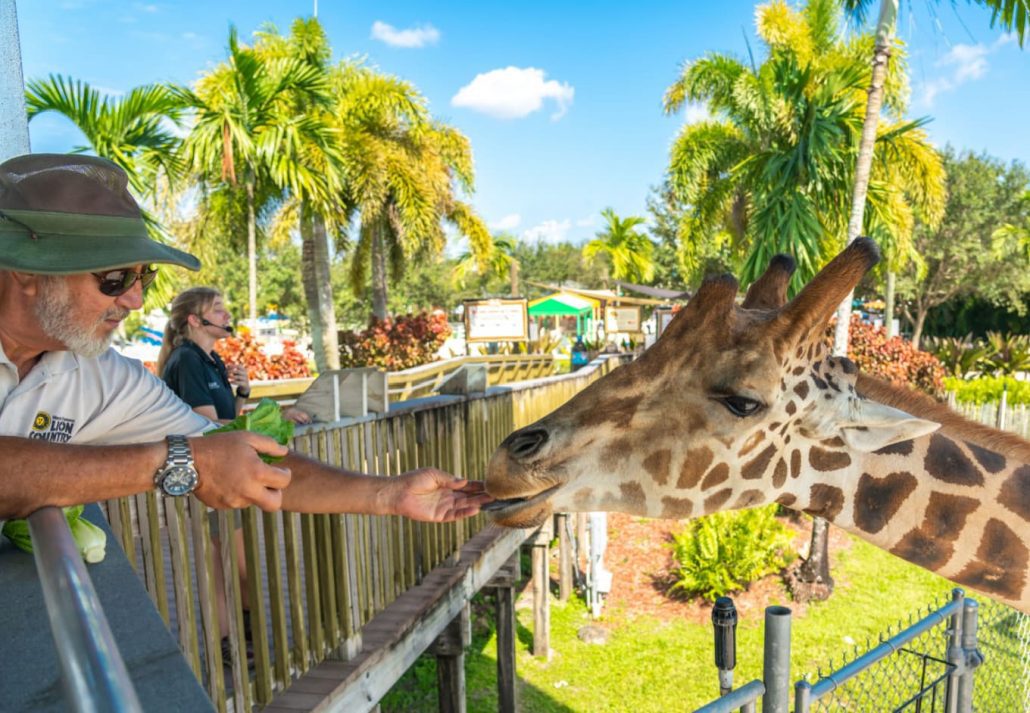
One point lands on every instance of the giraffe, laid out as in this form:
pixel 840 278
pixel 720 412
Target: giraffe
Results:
pixel 741 405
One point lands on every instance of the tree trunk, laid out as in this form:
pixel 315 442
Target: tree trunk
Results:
pixel 318 289
pixel 251 254
pixel 811 580
pixel 917 327
pixel 863 166
pixel 379 268
pixel 513 273
pixel 888 308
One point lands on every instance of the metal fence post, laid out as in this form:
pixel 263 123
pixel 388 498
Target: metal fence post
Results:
pixel 724 624
pixel 955 654
pixel 776 668
pixel 972 658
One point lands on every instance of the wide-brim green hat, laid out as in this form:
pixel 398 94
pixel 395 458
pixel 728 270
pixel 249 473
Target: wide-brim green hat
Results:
pixel 65 214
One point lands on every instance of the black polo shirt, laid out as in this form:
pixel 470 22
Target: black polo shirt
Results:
pixel 200 379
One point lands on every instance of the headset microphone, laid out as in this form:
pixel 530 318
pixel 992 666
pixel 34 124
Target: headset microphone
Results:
pixel 227 328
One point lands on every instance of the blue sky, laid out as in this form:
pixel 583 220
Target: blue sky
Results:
pixel 561 101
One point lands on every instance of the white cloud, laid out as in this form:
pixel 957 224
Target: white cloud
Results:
pixel 413 37
pixel 513 92
pixel 588 222
pixel 550 231
pixel 508 222
pixel 963 63
pixel 696 112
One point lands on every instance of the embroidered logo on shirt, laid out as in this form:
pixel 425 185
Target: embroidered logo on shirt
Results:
pixel 52 428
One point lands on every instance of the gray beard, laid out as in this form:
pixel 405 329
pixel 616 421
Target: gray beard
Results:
pixel 54 310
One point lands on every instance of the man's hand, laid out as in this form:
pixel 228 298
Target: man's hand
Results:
pixel 432 495
pixel 231 475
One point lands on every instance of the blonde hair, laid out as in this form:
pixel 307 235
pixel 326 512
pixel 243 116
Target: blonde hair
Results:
pixel 196 301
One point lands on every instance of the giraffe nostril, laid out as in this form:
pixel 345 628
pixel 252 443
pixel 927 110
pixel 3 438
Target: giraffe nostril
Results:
pixel 525 444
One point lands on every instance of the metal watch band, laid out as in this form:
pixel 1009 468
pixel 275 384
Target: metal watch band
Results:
pixel 179 454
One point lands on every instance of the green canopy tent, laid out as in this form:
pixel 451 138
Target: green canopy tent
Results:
pixel 562 304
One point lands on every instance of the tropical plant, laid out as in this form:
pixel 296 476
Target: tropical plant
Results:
pixel 396 344
pixel 247 125
pixel 726 551
pixel 627 254
pixel 989 390
pixel 770 170
pixel 500 261
pixel 405 174
pixel 1010 353
pixel 962 356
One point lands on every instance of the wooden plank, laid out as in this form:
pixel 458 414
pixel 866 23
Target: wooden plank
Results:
pixel 234 606
pixel 207 593
pixel 541 603
pixel 507 693
pixel 276 598
pixel 561 522
pixel 175 517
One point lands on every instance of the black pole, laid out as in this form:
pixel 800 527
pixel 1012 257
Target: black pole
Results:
pixel 724 621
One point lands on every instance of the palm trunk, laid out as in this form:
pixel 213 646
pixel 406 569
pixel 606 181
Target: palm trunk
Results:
pixel 318 289
pixel 863 167
pixel 251 253
pixel 888 308
pixel 379 268
pixel 917 327
pixel 513 274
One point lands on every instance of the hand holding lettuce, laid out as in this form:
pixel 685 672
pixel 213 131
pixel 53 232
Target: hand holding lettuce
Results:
pixel 267 420
pixel 90 539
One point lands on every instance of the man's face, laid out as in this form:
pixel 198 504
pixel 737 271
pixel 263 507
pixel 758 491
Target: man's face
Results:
pixel 72 310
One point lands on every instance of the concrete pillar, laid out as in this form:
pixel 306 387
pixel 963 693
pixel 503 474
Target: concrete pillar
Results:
pixel 14 124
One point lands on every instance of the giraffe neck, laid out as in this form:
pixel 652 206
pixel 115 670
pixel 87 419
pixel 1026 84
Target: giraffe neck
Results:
pixel 942 502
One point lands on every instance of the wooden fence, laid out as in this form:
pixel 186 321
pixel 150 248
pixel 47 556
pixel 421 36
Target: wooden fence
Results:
pixel 315 581
pixel 425 380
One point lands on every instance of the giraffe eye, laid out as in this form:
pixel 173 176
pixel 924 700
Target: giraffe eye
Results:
pixel 740 406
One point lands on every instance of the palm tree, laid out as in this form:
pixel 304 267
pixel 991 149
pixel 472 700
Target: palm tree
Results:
pixel 1012 14
pixel 131 130
pixel 628 255
pixel 501 261
pixel 311 170
pixel 771 168
pixel 248 127
pixel 405 172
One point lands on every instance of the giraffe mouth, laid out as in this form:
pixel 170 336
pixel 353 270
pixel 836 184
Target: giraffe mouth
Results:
pixel 499 508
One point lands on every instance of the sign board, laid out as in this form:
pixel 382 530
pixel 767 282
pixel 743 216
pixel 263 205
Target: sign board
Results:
pixel 497 320
pixel 663 316
pixel 622 319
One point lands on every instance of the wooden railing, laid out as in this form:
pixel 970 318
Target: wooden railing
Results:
pixel 314 581
pixel 425 380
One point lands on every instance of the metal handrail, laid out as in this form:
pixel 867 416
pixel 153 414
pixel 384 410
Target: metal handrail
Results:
pixel 94 675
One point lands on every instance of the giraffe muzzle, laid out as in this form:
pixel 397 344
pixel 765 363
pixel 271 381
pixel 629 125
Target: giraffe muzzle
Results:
pixel 525 443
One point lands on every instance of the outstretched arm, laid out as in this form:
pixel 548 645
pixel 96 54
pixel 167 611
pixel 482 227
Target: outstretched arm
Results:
pixel 425 494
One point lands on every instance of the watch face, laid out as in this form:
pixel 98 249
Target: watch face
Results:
pixel 178 480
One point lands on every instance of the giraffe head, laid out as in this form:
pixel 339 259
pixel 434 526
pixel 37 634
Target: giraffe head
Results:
pixel 730 408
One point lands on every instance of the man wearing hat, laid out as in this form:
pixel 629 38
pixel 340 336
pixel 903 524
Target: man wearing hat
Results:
pixel 80 423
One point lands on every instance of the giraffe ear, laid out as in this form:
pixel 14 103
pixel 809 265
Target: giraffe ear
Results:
pixel 872 425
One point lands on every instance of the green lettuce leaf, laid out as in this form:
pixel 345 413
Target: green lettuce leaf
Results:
pixel 265 419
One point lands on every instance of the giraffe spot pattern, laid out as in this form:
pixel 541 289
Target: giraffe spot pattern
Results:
pixel 878 499
pixel 801 390
pixel 819 383
pixel 945 461
pixel 694 465
pixel 786 499
pixel 716 501
pixel 657 465
pixel 676 508
pixel 779 473
pixel 749 498
pixel 835 442
pixel 992 462
pixel 798 370
pixel 924 551
pixel 718 474
pixel 1015 493
pixel 1001 565
pixel 847 365
pixel 631 500
pixel 616 451
pixel 618 411
pixel 825 461
pixel 790 408
pixel 826 501
pixel 582 498
pixel 756 467
pixel 901 448
pixel 931 544
pixel 795 463
pixel 752 443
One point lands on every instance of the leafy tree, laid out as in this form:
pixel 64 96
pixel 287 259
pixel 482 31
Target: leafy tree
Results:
pixel 671 270
pixel 770 171
pixel 626 254
pixel 962 256
pixel 500 261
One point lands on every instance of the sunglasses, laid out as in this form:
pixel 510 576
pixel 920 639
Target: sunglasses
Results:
pixel 117 282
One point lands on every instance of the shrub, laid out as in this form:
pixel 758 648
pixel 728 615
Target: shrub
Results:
pixel 1010 353
pixel 961 357
pixel 726 551
pixel 395 344
pixel 894 360
pixel 987 390
pixel 244 349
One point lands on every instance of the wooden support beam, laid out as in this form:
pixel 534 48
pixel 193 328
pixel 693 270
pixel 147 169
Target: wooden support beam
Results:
pixel 449 648
pixel 504 589
pixel 541 602
pixel 561 523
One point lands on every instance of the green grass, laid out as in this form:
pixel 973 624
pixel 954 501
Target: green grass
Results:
pixel 651 664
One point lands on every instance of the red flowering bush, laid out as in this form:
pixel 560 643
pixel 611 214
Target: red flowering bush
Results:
pixel 244 349
pixel 395 343
pixel 894 360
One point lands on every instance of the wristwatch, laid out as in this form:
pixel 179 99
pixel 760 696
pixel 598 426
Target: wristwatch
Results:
pixel 242 393
pixel 178 475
